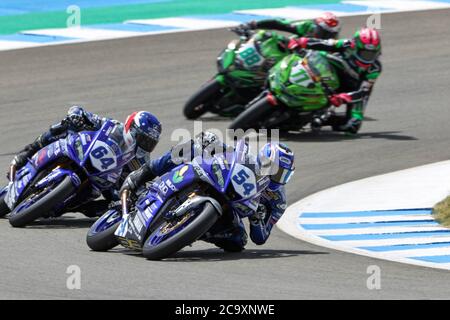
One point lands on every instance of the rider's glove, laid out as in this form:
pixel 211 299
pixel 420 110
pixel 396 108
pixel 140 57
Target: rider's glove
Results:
pixel 77 117
pixel 339 99
pixel 129 184
pixel 243 29
pixel 352 126
pixel 259 215
pixel 136 179
pixel 297 43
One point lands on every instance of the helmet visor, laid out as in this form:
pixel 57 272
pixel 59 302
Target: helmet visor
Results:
pixel 367 56
pixel 146 143
pixel 325 34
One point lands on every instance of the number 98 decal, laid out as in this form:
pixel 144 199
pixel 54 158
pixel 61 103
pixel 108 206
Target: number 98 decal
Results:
pixel 244 181
pixel 102 156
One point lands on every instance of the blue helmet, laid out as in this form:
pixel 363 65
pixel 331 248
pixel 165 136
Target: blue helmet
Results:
pixel 277 161
pixel 143 129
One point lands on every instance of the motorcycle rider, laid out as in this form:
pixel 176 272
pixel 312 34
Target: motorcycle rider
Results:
pixel 326 26
pixel 358 67
pixel 274 160
pixel 140 133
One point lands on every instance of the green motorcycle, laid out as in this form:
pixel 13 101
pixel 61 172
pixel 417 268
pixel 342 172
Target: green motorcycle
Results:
pixel 298 91
pixel 242 71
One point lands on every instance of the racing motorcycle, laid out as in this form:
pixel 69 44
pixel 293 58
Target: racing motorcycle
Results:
pixel 297 94
pixel 182 206
pixel 242 72
pixel 65 174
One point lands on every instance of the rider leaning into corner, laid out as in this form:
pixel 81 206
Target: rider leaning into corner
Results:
pixel 140 133
pixel 273 160
pixel 326 26
pixel 358 68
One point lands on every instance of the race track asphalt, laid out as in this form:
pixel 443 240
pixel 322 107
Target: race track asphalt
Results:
pixel 407 125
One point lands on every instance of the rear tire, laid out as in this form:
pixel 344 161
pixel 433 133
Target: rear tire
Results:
pixel 48 202
pixel 4 209
pixel 253 115
pixel 195 106
pixel 102 240
pixel 194 230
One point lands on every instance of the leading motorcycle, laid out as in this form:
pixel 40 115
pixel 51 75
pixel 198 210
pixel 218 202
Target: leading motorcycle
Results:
pixel 184 205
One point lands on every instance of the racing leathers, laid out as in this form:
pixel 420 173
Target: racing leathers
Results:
pixel 356 82
pixel 305 28
pixel 77 120
pixel 231 234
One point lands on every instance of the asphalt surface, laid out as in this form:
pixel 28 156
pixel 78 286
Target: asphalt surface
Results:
pixel 407 126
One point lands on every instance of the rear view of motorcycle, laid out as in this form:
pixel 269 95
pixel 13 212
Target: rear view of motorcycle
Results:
pixel 242 72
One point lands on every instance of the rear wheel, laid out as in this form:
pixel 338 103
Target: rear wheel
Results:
pixel 197 105
pixel 169 236
pixel 4 210
pixel 101 236
pixel 254 116
pixel 40 202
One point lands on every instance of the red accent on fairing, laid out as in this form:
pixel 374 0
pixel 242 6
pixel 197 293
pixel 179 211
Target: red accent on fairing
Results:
pixel 272 100
pixel 129 121
pixel 352 44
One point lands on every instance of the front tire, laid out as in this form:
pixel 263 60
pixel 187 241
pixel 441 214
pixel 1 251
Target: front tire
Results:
pixel 101 236
pixel 196 106
pixel 194 230
pixel 36 210
pixel 253 116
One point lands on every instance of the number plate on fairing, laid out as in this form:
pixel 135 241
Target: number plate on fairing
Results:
pixel 102 156
pixel 244 181
pixel 249 56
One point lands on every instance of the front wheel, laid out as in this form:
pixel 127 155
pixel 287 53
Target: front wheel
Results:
pixel 38 203
pixel 196 106
pixel 101 236
pixel 254 116
pixel 170 237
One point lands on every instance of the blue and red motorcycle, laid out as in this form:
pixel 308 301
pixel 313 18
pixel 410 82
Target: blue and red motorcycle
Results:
pixel 184 205
pixel 65 174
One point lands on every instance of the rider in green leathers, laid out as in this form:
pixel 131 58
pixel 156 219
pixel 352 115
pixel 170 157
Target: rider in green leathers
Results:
pixel 358 67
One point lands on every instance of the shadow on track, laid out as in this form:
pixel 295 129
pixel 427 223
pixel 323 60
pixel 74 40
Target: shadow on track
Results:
pixel 214 255
pixel 330 136
pixel 248 254
pixel 62 223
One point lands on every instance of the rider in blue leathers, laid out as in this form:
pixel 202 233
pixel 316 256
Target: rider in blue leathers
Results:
pixel 274 160
pixel 141 133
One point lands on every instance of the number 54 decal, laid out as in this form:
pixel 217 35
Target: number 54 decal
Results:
pixel 102 156
pixel 244 181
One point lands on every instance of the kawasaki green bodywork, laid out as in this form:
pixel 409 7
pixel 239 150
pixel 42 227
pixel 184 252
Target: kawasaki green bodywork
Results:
pixel 298 82
pixel 246 63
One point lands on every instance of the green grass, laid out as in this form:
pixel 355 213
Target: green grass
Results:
pixel 117 14
pixel 441 211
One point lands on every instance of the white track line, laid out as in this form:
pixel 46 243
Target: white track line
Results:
pixel 420 187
